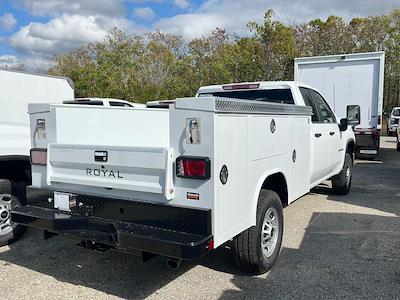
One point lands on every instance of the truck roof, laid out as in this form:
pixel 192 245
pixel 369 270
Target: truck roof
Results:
pixel 69 80
pixel 250 86
pixel 101 101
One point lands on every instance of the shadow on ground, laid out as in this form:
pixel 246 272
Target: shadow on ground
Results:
pixel 341 254
pixel 333 262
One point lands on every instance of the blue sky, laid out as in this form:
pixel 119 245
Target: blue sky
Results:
pixel 33 31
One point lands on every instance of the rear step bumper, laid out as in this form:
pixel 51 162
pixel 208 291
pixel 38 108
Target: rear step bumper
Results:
pixel 135 238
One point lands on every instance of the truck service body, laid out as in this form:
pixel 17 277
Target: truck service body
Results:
pixel 17 90
pixel 182 181
pixel 346 79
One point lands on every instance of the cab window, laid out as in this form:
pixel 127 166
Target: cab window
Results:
pixel 309 101
pixel 325 112
pixel 120 104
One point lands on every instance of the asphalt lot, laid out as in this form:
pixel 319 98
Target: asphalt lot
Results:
pixel 334 247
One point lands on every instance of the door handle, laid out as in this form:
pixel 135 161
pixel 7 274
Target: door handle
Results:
pixel 332 133
pixel 317 135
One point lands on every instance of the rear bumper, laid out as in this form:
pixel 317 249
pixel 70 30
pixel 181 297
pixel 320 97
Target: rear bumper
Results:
pixel 177 233
pixel 367 145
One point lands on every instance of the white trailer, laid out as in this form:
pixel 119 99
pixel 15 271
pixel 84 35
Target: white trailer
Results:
pixel 17 89
pixel 182 181
pixel 350 79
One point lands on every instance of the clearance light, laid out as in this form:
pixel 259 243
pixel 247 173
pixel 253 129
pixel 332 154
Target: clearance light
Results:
pixel 193 167
pixel 241 86
pixel 39 156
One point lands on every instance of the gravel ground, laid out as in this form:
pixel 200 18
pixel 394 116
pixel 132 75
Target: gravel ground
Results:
pixel 334 247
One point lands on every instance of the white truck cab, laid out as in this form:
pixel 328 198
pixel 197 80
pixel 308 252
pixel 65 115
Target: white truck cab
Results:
pixel 182 181
pixel 108 102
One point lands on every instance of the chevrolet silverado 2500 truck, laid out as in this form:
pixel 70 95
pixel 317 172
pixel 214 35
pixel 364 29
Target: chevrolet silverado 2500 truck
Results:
pixel 182 181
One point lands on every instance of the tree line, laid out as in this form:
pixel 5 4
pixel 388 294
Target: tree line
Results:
pixel 159 65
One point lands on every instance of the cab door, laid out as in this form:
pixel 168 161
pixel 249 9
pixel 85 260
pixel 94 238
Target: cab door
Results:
pixel 320 140
pixel 331 130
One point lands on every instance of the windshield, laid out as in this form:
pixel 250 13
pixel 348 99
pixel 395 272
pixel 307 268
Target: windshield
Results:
pixel 272 95
pixel 396 112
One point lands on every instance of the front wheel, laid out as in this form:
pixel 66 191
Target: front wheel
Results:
pixel 257 248
pixel 341 183
pixel 12 195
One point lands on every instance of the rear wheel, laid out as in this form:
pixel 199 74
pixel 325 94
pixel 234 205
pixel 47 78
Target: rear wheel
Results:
pixel 257 248
pixel 12 195
pixel 341 183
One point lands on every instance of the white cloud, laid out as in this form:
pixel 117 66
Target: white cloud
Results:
pixel 234 15
pixel 8 21
pixel 81 7
pixel 64 33
pixel 8 61
pixel 145 13
pixel 181 3
pixel 145 1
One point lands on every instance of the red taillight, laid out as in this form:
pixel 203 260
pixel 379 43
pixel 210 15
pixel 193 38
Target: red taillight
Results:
pixel 210 245
pixel 39 157
pixel 193 167
pixel 246 86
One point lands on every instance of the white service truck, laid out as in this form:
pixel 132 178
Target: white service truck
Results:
pixel 182 181
pixel 17 90
pixel 393 121
pixel 350 79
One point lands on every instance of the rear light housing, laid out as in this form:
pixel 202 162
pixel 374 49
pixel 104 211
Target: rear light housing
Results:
pixel 368 131
pixel 194 167
pixel 246 86
pixel 39 156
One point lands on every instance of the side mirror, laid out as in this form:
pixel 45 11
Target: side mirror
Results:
pixel 353 115
pixel 343 124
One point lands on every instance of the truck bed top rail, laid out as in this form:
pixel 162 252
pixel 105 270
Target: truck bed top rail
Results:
pixel 240 106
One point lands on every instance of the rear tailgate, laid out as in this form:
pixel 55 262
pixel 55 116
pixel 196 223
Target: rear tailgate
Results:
pixel 126 168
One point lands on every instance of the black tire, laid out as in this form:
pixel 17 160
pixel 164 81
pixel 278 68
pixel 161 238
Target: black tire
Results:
pixel 15 193
pixel 247 246
pixel 341 183
pixel 398 145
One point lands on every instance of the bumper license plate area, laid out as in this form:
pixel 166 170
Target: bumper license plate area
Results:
pixel 65 201
pixel 70 203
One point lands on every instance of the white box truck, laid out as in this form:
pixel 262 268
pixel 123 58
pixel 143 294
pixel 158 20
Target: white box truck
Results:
pixel 17 90
pixel 350 79
pixel 182 181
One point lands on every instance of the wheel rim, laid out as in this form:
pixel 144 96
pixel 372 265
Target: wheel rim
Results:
pixel 7 203
pixel 269 232
pixel 348 175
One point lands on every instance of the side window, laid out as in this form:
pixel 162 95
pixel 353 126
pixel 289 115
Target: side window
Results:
pixel 121 104
pixel 326 114
pixel 308 100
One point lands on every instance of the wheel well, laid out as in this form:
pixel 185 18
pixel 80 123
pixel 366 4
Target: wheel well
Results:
pixel 351 150
pixel 350 147
pixel 277 183
pixel 18 169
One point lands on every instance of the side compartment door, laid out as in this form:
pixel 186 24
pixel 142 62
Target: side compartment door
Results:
pixel 320 140
pixel 328 119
